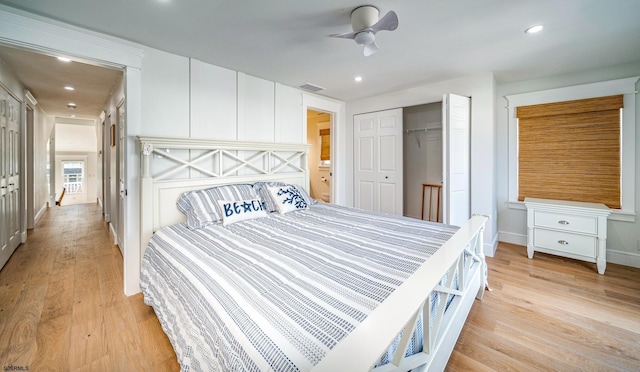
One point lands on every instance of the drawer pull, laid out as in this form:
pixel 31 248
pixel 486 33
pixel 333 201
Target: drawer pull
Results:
pixel 563 222
pixel 563 242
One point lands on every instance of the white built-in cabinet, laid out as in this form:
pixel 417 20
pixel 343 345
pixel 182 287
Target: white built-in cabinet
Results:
pixel 566 228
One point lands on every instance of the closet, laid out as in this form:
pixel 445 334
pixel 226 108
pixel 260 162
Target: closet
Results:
pixel 397 151
pixel 422 152
pixel 10 216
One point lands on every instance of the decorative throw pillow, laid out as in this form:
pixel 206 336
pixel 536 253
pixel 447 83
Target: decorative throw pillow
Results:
pixel 262 189
pixel 240 210
pixel 287 198
pixel 201 206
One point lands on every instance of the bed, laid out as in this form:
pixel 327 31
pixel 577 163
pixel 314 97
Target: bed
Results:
pixel 320 288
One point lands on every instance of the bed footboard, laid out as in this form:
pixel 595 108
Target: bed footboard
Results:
pixel 361 349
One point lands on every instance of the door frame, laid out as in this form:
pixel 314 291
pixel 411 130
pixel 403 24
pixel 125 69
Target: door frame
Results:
pixel 121 204
pixel 336 109
pixel 84 159
pixel 44 36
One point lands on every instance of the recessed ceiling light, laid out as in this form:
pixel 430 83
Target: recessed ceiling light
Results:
pixel 69 87
pixel 64 59
pixel 73 116
pixel 71 106
pixel 534 29
pixel 357 79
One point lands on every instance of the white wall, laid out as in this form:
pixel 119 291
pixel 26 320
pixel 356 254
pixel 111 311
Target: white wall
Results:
pixel 622 242
pixel 10 81
pixel 43 130
pixel 481 89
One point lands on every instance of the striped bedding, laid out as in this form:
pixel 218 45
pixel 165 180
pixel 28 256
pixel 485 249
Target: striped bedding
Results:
pixel 277 293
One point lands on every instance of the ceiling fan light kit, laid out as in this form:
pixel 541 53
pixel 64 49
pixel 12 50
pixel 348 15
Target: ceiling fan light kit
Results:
pixel 365 24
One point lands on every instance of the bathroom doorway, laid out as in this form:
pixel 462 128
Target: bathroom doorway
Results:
pixel 319 159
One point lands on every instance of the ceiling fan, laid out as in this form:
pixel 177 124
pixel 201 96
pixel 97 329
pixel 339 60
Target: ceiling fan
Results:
pixel 365 25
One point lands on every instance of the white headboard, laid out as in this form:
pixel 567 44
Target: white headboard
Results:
pixel 171 166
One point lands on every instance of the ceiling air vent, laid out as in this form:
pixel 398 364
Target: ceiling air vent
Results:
pixel 310 87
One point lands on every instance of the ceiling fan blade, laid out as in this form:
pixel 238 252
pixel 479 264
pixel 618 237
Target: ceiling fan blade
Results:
pixel 370 48
pixel 387 23
pixel 346 35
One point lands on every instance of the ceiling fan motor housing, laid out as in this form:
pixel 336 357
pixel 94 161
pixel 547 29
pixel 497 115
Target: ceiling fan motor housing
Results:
pixel 364 17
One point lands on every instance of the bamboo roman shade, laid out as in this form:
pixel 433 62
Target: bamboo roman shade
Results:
pixel 571 150
pixel 325 148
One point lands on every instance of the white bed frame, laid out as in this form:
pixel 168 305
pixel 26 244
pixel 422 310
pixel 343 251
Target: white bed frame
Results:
pixel 171 166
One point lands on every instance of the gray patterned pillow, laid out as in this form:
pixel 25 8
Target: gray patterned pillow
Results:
pixel 201 206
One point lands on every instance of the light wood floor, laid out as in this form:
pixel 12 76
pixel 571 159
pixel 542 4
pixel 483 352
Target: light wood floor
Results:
pixel 62 308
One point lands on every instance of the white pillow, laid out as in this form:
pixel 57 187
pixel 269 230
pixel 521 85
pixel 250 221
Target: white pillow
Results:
pixel 262 190
pixel 240 210
pixel 287 198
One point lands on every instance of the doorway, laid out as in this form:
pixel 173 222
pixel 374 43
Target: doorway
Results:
pixel 422 149
pixel 379 159
pixel 319 158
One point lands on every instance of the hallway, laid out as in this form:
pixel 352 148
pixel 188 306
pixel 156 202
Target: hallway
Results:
pixel 62 305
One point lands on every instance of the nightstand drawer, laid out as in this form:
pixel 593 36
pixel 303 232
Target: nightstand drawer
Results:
pixel 569 243
pixel 566 222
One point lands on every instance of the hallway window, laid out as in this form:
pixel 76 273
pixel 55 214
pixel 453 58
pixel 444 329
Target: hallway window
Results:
pixel 73 176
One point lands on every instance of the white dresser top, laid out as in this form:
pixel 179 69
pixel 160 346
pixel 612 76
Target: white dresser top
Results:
pixel 567 206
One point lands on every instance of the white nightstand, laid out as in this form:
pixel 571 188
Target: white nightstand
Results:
pixel 570 229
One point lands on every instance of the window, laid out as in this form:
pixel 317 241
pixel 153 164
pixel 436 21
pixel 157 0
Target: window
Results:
pixel 625 87
pixel 571 150
pixel 73 176
pixel 325 144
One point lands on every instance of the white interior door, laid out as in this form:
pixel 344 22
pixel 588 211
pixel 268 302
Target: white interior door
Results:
pixel 10 209
pixel 378 161
pixel 456 124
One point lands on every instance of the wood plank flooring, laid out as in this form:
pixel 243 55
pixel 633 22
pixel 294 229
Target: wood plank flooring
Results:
pixel 552 314
pixel 62 305
pixel 62 308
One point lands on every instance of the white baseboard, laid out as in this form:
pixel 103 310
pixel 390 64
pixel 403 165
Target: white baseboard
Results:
pixel 623 258
pixel 112 230
pixel 512 238
pixel 40 213
pixel 490 249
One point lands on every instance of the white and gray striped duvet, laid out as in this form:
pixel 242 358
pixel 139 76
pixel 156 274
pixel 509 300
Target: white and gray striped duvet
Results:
pixel 277 293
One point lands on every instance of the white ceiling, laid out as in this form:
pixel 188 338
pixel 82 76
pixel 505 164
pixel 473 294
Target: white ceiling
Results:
pixel 286 41
pixel 46 76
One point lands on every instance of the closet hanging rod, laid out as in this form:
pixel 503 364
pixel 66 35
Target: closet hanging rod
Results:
pixel 409 131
